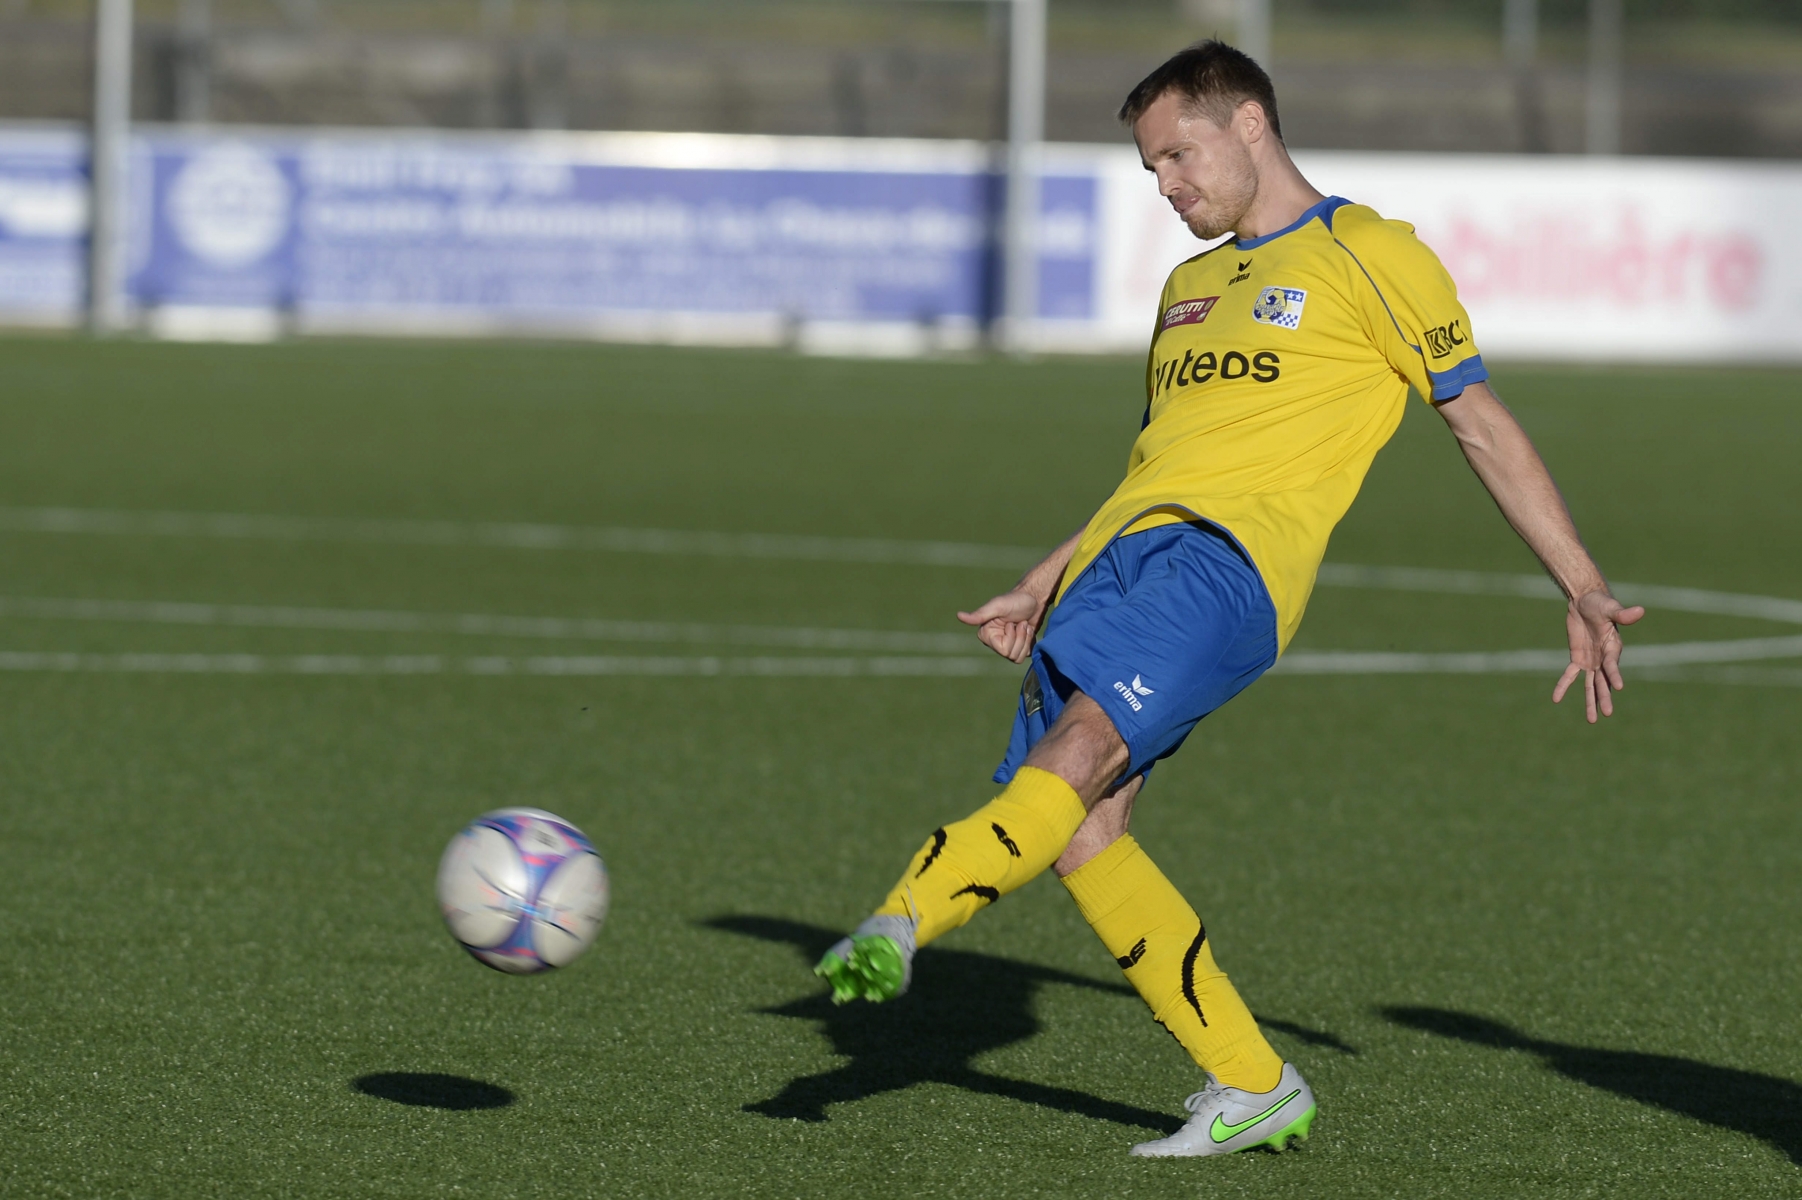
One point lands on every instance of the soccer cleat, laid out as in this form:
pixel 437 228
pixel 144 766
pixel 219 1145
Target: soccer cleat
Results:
pixel 875 963
pixel 1227 1119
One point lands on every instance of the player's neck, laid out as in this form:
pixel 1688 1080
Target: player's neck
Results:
pixel 1283 196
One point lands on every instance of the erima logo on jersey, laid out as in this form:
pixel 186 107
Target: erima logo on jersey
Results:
pixel 1132 694
pixel 1279 306
pixel 1189 312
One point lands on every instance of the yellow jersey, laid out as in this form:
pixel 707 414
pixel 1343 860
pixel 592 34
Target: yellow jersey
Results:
pixel 1279 366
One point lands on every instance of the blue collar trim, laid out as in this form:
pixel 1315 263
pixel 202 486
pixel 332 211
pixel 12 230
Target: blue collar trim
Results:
pixel 1324 210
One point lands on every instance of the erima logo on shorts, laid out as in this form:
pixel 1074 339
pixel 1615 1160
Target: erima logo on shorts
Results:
pixel 1132 694
pixel 1189 312
pixel 1279 306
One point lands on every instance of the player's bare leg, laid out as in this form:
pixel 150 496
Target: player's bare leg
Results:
pixel 1106 824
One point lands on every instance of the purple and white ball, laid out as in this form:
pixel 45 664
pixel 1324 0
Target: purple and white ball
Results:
pixel 523 890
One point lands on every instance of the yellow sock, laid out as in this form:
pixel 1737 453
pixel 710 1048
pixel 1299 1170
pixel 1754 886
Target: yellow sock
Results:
pixel 1162 947
pixel 976 861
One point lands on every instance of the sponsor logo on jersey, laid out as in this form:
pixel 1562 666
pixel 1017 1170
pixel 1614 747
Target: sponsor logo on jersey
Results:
pixel 1243 275
pixel 1264 367
pixel 1279 306
pixel 1446 338
pixel 1132 694
pixel 1189 312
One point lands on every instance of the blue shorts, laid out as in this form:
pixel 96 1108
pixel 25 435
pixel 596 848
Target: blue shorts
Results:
pixel 1161 629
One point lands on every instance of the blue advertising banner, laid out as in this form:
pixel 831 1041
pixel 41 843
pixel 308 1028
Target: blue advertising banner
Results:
pixel 43 223
pixel 463 230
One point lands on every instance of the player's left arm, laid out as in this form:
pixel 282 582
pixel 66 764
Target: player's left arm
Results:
pixel 1503 457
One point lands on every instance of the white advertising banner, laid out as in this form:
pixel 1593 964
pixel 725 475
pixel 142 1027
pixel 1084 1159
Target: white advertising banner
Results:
pixel 1657 260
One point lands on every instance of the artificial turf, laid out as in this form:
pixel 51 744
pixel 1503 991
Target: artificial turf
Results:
pixel 1514 954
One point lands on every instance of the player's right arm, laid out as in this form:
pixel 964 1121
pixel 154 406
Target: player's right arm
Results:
pixel 1008 623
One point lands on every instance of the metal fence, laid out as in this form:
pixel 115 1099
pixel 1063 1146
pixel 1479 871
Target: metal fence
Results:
pixel 1471 76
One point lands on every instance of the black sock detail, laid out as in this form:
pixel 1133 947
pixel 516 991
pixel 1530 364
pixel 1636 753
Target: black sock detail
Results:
pixel 1201 935
pixel 1005 840
pixel 938 844
pixel 977 889
pixel 1131 958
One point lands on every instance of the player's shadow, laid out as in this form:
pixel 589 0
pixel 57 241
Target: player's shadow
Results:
pixel 425 1090
pixel 961 1005
pixel 1313 1037
pixel 1762 1105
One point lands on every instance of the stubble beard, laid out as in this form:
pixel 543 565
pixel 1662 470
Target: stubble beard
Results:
pixel 1223 211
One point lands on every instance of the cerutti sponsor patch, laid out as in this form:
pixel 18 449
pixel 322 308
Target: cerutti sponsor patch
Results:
pixel 1189 312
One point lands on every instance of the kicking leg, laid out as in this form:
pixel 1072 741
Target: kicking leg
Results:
pixel 969 864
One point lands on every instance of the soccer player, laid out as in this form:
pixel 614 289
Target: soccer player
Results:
pixel 1280 364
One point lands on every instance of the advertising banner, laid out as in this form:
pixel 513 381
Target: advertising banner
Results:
pixel 43 224
pixel 692 237
pixel 1556 258
pixel 854 245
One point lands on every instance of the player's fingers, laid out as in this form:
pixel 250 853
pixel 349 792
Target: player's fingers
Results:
pixel 1564 682
pixel 1611 667
pixel 988 612
pixel 1589 696
pixel 1604 694
pixel 1010 644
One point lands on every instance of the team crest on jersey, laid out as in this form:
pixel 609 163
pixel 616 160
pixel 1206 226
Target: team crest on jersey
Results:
pixel 1189 312
pixel 1279 306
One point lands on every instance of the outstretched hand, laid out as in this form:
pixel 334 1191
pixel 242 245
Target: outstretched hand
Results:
pixel 1592 622
pixel 1007 623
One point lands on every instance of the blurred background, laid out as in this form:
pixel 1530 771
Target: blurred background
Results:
pixel 892 177
pixel 1697 77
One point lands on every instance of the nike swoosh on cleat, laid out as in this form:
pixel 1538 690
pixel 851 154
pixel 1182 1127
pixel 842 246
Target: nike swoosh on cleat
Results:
pixel 1220 1131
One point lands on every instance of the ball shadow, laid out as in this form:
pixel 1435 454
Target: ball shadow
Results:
pixel 427 1090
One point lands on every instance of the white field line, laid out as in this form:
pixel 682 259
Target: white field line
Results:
pixel 1753 676
pixel 1669 654
pixel 516 536
pixel 1299 662
pixel 480 625
pixel 801 548
pixel 492 665
pixel 1666 661
pixel 1538 587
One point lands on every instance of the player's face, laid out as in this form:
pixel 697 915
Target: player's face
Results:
pixel 1205 170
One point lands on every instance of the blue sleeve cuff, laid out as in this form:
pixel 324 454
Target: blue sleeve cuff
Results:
pixel 1447 384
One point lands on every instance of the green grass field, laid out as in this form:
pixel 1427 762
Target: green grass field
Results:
pixel 1513 953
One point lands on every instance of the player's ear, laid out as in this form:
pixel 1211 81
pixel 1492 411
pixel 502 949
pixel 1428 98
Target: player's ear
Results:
pixel 1251 122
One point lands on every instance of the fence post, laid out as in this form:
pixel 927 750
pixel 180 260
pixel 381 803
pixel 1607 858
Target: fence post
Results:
pixel 1025 135
pixel 107 164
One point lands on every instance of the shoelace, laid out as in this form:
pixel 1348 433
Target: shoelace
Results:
pixel 1195 1101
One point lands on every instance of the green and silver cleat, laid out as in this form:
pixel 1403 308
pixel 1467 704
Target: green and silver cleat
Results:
pixel 875 963
pixel 1224 1120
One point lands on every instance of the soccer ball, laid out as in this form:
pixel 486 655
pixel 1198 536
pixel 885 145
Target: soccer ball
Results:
pixel 522 890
